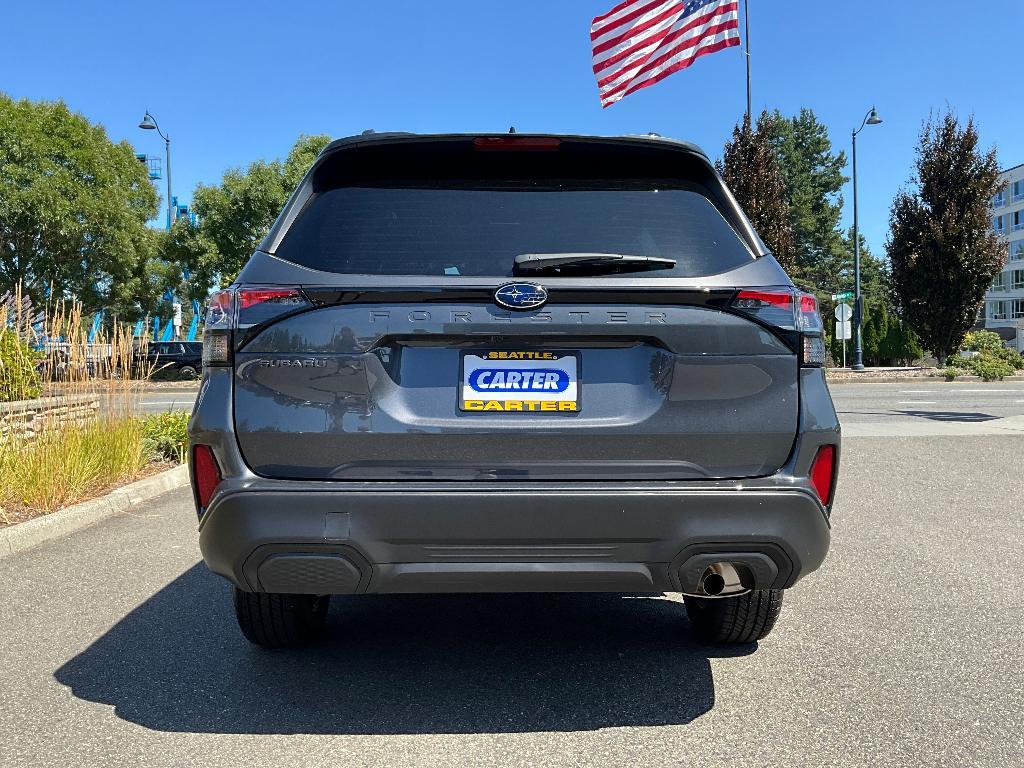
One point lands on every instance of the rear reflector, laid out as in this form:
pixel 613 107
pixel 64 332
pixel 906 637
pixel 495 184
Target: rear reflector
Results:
pixel 205 473
pixel 823 473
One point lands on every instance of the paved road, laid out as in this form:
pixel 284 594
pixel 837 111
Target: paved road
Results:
pixel 155 400
pixel 929 407
pixel 118 649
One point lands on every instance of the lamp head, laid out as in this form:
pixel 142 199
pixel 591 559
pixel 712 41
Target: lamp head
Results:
pixel 147 123
pixel 873 118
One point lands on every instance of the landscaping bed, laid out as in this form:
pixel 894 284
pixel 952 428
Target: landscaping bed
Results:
pixel 77 462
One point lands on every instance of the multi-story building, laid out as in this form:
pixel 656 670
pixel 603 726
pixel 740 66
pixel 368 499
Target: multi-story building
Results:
pixel 1004 301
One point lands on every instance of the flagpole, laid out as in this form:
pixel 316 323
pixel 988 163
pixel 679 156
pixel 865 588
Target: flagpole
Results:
pixel 746 33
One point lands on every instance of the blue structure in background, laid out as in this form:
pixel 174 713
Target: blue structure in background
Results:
pixel 97 321
pixel 193 327
pixel 153 165
pixel 140 326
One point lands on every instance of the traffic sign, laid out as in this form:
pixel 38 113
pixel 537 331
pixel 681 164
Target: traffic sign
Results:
pixel 843 312
pixel 842 296
pixel 844 330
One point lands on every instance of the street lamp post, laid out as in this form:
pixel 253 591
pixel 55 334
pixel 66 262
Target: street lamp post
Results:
pixel 871 118
pixel 149 123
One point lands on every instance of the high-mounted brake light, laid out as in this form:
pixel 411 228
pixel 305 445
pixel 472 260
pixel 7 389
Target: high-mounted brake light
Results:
pixel 823 473
pixel 517 143
pixel 206 474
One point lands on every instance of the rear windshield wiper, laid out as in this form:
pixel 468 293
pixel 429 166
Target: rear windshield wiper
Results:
pixel 588 262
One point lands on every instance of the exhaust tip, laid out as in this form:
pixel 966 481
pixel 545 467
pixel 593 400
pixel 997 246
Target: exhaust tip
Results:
pixel 713 583
pixel 721 580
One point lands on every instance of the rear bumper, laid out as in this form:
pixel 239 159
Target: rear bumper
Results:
pixel 312 539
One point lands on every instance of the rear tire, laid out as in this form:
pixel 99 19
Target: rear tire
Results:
pixel 187 372
pixel 735 620
pixel 280 621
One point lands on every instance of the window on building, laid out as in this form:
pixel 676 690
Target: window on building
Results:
pixel 998 224
pixel 1017 250
pixel 1018 220
pixel 997 310
pixel 999 283
pixel 1017 308
pixel 1018 190
pixel 1017 279
pixel 999 199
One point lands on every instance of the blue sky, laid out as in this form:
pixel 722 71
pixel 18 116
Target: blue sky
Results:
pixel 235 81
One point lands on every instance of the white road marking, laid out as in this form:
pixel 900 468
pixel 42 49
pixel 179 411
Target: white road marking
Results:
pixel 918 391
pixel 917 402
pixel 989 390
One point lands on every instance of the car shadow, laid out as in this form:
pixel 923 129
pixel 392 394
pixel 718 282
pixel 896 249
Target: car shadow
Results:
pixel 951 416
pixel 407 664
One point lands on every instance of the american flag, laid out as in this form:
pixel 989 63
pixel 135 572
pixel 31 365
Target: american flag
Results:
pixel 639 42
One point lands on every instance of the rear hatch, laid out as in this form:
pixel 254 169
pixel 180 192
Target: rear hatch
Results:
pixel 460 308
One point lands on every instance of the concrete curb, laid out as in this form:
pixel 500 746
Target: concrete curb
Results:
pixel 63 522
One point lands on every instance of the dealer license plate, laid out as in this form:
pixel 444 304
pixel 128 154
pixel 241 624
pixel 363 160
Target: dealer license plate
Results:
pixel 520 381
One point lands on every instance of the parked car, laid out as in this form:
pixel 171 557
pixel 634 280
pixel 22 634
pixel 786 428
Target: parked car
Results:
pixel 61 361
pixel 512 363
pixel 180 359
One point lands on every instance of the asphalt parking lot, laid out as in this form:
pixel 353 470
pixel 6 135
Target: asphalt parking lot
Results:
pixel 118 648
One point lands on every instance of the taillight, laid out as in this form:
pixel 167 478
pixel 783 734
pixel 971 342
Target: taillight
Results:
pixel 220 309
pixel 257 305
pixel 790 310
pixel 823 473
pixel 206 474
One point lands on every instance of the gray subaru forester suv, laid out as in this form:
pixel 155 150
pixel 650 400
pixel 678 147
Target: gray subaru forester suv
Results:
pixel 512 363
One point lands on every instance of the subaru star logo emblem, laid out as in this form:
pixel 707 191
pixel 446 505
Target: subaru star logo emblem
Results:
pixel 521 295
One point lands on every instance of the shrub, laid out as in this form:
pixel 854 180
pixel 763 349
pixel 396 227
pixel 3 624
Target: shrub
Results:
pixel 951 373
pixel 1011 357
pixel 19 379
pixel 991 368
pixel 164 435
pixel 982 341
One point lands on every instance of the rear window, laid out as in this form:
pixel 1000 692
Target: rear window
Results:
pixel 414 229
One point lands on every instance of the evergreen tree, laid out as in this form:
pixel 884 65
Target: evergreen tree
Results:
pixel 751 168
pixel 814 179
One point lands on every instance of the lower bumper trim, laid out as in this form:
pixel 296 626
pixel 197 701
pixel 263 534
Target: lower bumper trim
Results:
pixel 351 542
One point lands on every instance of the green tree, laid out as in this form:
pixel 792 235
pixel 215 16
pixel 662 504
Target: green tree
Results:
pixel 943 251
pixel 73 209
pixel 751 168
pixel 814 179
pixel 235 215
